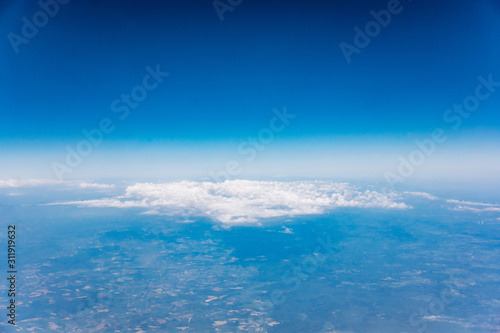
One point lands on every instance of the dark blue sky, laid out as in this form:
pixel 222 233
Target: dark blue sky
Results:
pixel 226 77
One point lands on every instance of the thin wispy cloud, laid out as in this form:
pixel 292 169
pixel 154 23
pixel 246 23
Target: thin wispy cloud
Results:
pixel 15 183
pixel 474 206
pixel 423 195
pixel 31 182
pixel 95 185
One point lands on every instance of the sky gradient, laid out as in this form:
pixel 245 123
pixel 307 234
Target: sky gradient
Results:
pixel 226 78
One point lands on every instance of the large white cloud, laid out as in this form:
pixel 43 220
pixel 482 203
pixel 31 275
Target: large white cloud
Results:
pixel 240 201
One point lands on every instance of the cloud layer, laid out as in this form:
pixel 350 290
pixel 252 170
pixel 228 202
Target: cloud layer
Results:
pixel 21 183
pixel 16 183
pixel 241 201
pixel 422 194
pixel 474 206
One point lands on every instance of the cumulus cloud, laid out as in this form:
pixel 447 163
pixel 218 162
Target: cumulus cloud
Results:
pixel 240 201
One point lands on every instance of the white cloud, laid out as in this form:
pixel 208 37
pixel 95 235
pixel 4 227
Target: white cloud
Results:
pixel 286 231
pixel 473 209
pixel 240 201
pixel 474 206
pixel 95 185
pixel 14 194
pixel 19 183
pixel 28 182
pixel 472 203
pixel 423 195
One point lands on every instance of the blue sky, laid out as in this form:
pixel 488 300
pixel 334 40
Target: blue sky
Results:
pixel 225 78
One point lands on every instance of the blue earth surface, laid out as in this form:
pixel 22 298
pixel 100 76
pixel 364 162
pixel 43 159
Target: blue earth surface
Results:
pixel 431 268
